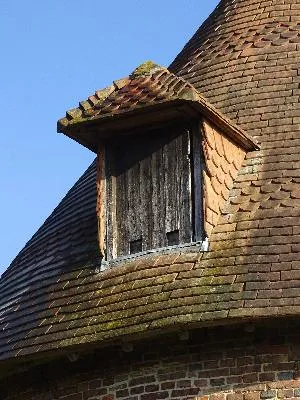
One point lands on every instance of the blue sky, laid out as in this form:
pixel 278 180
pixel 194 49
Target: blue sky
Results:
pixel 54 54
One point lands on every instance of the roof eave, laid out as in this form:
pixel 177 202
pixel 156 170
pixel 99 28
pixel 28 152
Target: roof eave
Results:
pixel 90 131
pixel 233 131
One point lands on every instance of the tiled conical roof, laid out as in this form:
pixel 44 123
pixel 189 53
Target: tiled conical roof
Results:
pixel 244 59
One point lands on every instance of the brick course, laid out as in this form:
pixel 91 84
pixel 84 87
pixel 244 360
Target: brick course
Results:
pixel 244 362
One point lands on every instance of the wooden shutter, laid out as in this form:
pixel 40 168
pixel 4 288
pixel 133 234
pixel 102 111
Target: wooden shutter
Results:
pixel 149 191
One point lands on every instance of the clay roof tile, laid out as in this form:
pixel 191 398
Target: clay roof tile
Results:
pixel 54 275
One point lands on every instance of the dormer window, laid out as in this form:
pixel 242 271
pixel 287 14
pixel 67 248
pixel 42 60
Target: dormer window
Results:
pixel 166 160
pixel 150 190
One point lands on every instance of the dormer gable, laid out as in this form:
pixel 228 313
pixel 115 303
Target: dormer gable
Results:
pixel 166 161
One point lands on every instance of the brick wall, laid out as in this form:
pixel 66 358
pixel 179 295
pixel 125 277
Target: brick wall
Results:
pixel 230 363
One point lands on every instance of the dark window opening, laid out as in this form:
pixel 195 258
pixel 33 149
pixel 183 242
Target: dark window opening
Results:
pixel 173 238
pixel 135 246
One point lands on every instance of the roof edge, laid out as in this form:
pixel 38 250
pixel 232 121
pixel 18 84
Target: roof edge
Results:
pixel 198 104
pixel 178 323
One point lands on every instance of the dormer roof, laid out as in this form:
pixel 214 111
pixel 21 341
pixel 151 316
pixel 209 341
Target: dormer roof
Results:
pixel 151 94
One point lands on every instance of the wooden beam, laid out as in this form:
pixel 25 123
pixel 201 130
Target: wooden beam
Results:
pixel 101 199
pixel 111 203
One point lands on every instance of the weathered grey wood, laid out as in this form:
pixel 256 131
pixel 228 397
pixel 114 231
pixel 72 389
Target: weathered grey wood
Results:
pixel 121 206
pixel 170 154
pixel 150 189
pixel 101 199
pixel 134 210
pixel 145 182
pixel 111 204
pixel 158 212
pixel 185 232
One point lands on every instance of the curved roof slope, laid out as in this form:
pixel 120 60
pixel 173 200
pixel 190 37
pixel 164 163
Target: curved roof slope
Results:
pixel 245 60
pixel 65 242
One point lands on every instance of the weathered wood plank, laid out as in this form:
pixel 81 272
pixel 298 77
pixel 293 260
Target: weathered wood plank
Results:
pixel 122 201
pixel 101 199
pixel 111 203
pixel 158 211
pixel 185 203
pixel 170 154
pixel 146 219
pixel 149 191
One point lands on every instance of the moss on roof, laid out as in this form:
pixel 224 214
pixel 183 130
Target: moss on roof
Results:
pixel 147 68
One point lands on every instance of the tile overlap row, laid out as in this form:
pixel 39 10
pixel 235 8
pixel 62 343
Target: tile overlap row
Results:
pixel 245 60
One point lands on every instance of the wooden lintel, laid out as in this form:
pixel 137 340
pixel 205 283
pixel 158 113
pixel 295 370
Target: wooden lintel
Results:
pixel 101 199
